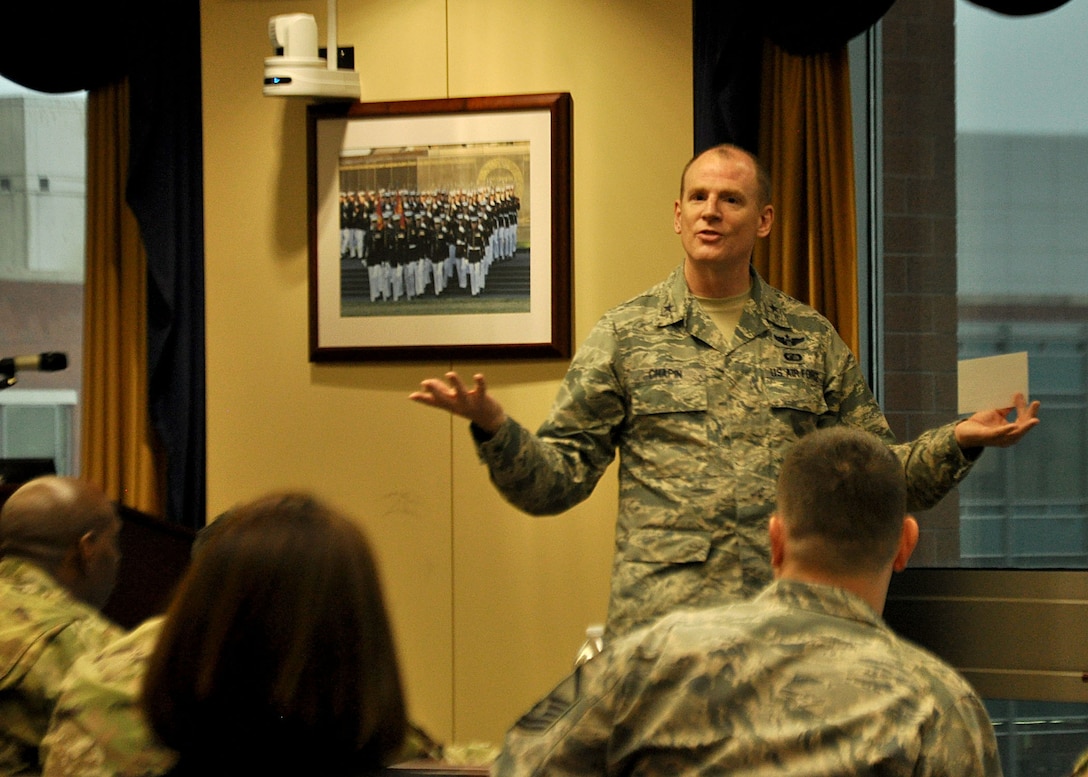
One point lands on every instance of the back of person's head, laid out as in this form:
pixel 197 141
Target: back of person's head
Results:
pixel 276 654
pixel 842 495
pixel 67 527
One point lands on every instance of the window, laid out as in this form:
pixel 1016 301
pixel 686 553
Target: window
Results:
pixel 37 424
pixel 1022 190
pixel 1022 187
pixel 980 249
pixel 42 220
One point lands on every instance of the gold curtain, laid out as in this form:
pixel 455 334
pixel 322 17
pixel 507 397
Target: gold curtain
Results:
pixel 806 142
pixel 117 451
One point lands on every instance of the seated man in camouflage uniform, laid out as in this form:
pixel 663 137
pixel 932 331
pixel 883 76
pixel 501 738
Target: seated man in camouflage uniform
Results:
pixel 805 679
pixel 98 728
pixel 59 554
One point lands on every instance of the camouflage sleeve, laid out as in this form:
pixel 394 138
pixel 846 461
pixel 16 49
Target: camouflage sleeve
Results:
pixel 107 741
pixel 567 733
pixel 934 462
pixel 82 636
pixel 559 466
pixel 961 741
pixel 89 635
pixel 98 729
pixel 36 682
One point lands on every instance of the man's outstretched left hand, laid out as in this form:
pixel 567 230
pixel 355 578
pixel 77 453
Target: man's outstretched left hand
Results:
pixel 993 429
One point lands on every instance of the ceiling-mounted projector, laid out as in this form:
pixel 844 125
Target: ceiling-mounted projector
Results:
pixel 297 69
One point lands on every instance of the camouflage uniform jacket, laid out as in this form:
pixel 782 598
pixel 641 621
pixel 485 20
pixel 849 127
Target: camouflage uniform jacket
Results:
pixel 43 629
pixel 98 729
pixel 804 680
pixel 702 425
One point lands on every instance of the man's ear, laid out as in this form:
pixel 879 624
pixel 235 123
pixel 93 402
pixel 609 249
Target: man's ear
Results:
pixel 777 530
pixel 766 219
pixel 908 539
pixel 86 549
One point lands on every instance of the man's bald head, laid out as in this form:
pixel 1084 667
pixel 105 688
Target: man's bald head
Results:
pixel 68 528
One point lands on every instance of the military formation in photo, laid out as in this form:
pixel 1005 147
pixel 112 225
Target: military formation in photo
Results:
pixel 413 243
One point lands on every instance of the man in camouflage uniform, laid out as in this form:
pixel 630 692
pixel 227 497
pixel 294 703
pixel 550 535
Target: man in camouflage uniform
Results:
pixel 98 728
pixel 702 383
pixel 805 679
pixel 59 554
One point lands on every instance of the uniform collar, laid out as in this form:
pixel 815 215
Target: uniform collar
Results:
pixel 768 302
pixel 765 308
pixel 822 599
pixel 27 575
pixel 673 305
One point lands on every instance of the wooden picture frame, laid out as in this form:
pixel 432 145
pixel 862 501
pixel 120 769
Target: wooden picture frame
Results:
pixel 440 229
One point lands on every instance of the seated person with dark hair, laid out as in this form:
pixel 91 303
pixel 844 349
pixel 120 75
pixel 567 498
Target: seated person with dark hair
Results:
pixel 804 680
pixel 276 656
pixel 99 728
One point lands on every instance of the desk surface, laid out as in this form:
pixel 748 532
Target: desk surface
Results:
pixel 426 768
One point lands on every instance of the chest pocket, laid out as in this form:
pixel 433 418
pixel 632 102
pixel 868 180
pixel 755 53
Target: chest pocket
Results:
pixel 667 428
pixel 681 396
pixel 796 401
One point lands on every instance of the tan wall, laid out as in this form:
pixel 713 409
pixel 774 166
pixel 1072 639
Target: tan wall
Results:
pixel 489 605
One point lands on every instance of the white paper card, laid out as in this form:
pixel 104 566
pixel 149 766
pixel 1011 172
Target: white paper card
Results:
pixel 991 381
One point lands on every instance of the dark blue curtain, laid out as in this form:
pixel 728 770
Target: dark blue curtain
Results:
pixel 166 193
pixel 727 42
pixel 157 45
pixel 727 46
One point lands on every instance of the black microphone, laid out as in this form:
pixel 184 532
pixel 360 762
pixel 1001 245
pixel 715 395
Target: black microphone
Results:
pixel 51 361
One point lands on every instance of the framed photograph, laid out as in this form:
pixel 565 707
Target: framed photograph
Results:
pixel 440 229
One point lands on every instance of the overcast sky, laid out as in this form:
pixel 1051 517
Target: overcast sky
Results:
pixel 9 88
pixel 1021 74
